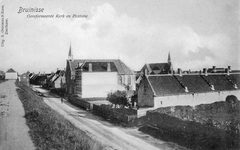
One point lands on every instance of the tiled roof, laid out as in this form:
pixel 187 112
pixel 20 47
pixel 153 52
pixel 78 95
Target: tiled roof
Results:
pixel 194 83
pixel 220 82
pixel 235 79
pixel 100 65
pixel 165 85
pixel 59 73
pixel 11 70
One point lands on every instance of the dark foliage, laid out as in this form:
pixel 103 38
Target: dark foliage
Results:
pixel 118 98
pixel 189 133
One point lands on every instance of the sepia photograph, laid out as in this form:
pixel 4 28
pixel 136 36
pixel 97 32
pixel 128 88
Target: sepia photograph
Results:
pixel 120 75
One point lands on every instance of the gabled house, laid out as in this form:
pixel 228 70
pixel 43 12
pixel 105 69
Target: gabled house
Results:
pixel 57 80
pixel 11 74
pixel 91 78
pixel 158 68
pixel 187 89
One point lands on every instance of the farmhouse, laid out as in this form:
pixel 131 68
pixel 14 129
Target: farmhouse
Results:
pixel 94 78
pixel 161 90
pixel 11 74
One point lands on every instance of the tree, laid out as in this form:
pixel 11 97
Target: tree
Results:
pixel 118 98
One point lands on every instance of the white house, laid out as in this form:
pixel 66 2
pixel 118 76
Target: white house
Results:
pixel 11 74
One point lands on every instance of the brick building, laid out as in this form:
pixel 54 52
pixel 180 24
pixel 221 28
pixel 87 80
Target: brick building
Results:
pixel 90 78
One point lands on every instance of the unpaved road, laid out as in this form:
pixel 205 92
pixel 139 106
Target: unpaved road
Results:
pixel 112 136
pixel 13 129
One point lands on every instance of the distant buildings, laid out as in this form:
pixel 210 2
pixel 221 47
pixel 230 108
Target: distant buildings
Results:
pixel 11 74
pixel 93 78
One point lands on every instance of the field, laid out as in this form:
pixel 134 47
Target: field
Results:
pixel 48 129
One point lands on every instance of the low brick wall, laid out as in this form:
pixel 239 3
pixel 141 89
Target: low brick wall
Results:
pixel 109 113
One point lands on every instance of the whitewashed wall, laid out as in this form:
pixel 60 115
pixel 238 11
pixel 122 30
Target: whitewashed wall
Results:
pixel 98 84
pixel 11 75
pixel 204 98
pixel 125 81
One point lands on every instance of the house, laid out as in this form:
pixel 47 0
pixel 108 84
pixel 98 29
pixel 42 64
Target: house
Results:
pixel 11 74
pixel 24 78
pixel 57 80
pixel 192 89
pixel 39 79
pixel 158 68
pixel 93 78
pixel 2 75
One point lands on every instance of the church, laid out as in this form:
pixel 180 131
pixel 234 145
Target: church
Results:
pixel 95 78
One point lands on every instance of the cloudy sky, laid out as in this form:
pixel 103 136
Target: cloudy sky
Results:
pixel 197 33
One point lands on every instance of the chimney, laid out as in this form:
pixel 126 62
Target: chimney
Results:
pixel 205 71
pixel 145 72
pixel 90 67
pixel 79 65
pixel 180 72
pixel 227 71
pixel 229 68
pixel 214 69
pixel 108 67
pixel 57 69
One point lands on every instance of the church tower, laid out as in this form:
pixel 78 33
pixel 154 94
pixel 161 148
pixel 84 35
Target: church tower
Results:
pixel 70 55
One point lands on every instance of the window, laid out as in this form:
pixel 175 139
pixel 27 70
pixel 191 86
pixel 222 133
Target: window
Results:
pixel 145 89
pixel 119 79
pixel 129 80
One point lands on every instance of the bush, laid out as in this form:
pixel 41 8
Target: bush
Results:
pixel 118 98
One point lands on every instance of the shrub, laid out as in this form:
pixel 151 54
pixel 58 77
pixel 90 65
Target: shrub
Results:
pixel 118 98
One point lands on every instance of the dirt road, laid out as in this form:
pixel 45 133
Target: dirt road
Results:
pixel 104 132
pixel 13 129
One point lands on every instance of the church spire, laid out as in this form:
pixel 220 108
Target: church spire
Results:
pixel 70 55
pixel 170 63
pixel 169 58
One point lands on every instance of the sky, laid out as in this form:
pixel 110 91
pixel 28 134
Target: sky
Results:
pixel 197 33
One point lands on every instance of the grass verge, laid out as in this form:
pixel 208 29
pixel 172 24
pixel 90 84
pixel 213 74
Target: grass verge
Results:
pixel 50 130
